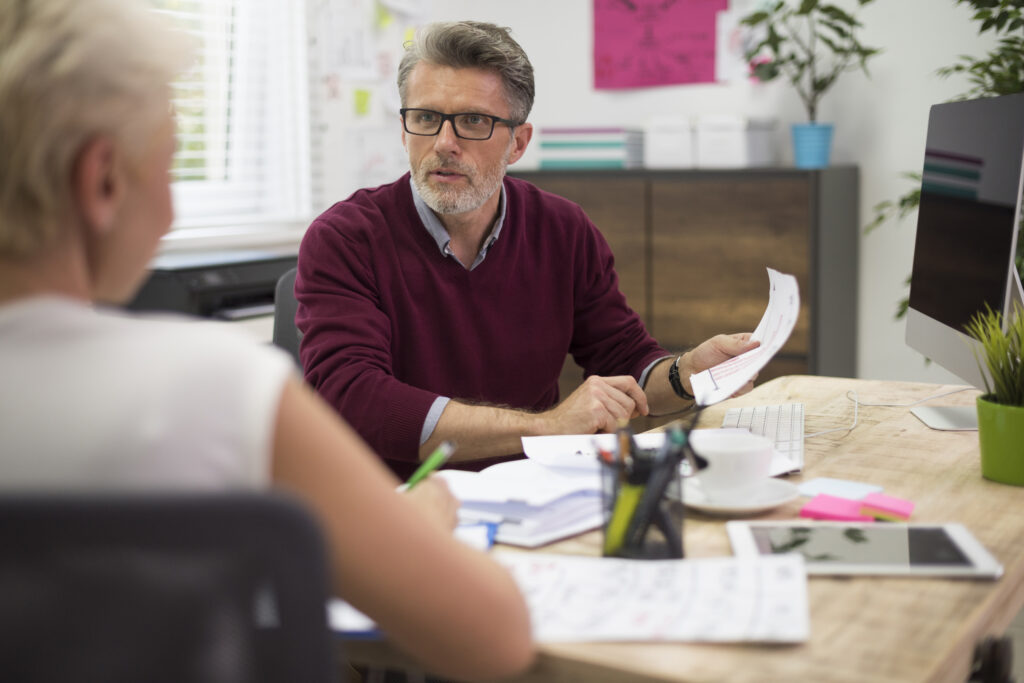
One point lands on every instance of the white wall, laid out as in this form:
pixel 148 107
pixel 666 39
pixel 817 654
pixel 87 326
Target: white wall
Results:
pixel 880 123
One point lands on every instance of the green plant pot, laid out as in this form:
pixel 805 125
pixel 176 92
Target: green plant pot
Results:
pixel 1001 436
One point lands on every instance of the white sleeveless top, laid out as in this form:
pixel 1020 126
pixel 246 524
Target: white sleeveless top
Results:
pixel 91 398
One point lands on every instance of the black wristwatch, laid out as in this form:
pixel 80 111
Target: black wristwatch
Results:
pixel 677 385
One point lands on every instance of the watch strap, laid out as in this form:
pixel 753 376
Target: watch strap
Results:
pixel 677 385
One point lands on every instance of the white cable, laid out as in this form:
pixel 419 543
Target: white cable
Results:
pixel 856 415
pixel 857 403
pixel 910 405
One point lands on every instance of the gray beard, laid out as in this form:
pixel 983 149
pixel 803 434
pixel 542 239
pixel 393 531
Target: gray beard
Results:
pixel 457 200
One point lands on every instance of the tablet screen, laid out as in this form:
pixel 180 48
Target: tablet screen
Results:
pixel 863 545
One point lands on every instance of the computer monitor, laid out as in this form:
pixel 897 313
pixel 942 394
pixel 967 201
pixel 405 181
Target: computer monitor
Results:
pixel 967 227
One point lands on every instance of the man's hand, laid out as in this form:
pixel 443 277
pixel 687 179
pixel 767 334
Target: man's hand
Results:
pixel 435 501
pixel 598 405
pixel 710 353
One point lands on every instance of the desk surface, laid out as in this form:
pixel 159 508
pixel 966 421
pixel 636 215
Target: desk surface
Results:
pixel 862 629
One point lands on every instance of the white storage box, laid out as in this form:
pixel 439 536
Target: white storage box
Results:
pixel 735 142
pixel 668 143
pixel 589 147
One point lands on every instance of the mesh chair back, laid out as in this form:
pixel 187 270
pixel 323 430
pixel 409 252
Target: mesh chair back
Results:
pixel 286 334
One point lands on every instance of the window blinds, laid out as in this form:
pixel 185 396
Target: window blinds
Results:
pixel 242 115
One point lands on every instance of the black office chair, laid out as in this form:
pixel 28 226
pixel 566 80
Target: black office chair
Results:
pixel 286 334
pixel 218 588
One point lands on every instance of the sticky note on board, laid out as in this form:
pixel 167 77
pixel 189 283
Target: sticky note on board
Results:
pixel 361 101
pixel 881 506
pixel 842 488
pixel 824 506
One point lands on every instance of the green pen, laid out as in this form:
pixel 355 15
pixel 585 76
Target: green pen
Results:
pixel 433 461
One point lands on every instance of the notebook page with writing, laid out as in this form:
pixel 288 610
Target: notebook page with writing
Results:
pixel 599 599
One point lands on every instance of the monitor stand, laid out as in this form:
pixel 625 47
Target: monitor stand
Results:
pixel 965 418
pixel 948 418
pixel 1016 291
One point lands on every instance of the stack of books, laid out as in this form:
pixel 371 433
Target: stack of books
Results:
pixel 581 148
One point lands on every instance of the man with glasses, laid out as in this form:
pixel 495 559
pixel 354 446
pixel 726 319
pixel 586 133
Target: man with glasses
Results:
pixel 442 306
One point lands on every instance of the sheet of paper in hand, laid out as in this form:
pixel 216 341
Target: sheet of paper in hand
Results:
pixel 725 379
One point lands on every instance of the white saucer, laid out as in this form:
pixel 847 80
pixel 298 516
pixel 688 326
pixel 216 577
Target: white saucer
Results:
pixel 772 494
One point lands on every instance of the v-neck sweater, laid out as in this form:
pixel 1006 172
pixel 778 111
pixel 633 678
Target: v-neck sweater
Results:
pixel 390 323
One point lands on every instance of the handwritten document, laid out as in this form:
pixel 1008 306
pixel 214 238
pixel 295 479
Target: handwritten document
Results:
pixel 598 599
pixel 719 599
pixel 725 379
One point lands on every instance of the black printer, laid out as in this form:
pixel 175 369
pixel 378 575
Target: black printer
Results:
pixel 225 284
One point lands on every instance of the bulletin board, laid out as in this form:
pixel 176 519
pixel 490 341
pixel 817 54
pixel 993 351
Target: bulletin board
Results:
pixel 641 43
pixel 354 51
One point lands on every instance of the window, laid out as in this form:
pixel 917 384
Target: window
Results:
pixel 242 164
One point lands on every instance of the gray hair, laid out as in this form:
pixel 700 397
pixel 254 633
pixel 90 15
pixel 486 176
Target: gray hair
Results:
pixel 473 44
pixel 71 70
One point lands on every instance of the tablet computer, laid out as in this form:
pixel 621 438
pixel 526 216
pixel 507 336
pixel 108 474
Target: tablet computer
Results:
pixel 895 549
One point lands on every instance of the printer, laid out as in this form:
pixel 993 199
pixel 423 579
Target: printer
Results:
pixel 229 285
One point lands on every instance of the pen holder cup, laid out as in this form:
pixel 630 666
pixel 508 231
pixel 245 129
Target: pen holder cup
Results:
pixel 643 511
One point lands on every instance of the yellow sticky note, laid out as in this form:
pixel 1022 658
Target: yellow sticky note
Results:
pixel 384 17
pixel 362 101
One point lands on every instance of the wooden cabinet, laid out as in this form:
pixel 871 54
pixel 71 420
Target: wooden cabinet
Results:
pixel 615 204
pixel 691 248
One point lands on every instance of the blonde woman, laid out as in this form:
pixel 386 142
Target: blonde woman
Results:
pixel 92 398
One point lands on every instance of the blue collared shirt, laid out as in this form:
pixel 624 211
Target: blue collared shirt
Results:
pixel 444 241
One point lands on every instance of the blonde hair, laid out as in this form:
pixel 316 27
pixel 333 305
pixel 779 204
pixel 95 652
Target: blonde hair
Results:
pixel 71 70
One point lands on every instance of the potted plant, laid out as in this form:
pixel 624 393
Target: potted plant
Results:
pixel 810 45
pixel 1000 72
pixel 1001 407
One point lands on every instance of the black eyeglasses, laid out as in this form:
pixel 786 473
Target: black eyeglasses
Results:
pixel 467 126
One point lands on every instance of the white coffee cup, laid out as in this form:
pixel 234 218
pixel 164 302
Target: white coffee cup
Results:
pixel 739 463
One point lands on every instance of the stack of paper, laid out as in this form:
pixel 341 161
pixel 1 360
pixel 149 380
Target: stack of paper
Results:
pixel 532 504
pixel 571 148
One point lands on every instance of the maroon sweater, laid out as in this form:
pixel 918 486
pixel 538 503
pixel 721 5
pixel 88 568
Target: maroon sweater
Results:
pixel 389 323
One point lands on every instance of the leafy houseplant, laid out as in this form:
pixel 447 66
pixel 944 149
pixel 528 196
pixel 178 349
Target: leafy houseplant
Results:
pixel 810 45
pixel 1001 408
pixel 1000 72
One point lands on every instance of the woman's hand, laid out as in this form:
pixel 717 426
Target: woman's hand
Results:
pixel 435 501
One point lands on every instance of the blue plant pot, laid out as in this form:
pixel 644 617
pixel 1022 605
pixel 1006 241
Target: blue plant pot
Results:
pixel 812 144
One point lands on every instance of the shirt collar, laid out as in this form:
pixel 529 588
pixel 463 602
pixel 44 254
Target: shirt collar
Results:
pixel 440 236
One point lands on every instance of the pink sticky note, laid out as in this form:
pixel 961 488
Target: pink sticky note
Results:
pixel 824 506
pixel 882 506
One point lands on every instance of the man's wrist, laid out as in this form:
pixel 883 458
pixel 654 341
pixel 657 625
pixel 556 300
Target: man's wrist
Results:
pixel 538 424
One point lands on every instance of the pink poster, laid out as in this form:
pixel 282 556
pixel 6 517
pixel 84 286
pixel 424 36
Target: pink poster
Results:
pixel 640 43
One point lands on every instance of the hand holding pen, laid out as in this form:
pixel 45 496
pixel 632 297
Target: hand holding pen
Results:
pixel 431 494
pixel 434 460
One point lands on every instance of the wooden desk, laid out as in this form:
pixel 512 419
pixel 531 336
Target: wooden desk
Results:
pixel 862 629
